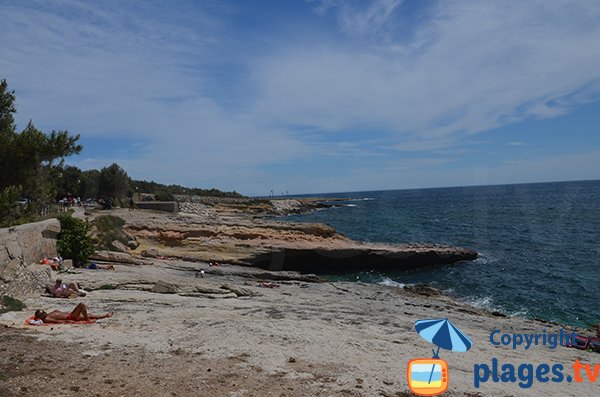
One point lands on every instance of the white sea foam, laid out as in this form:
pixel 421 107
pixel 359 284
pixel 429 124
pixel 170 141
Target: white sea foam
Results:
pixel 349 205
pixel 485 259
pixel 520 313
pixel 485 303
pixel 391 283
pixel 363 199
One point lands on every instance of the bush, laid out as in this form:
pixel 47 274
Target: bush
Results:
pixel 10 304
pixel 109 229
pixel 73 240
pixel 162 195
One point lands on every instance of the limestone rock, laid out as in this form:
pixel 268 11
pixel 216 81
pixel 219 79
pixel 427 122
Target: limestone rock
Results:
pixel 240 291
pixel 150 253
pixel 118 257
pixel 422 289
pixel 349 257
pixel 119 246
pixel 162 287
pixel 21 246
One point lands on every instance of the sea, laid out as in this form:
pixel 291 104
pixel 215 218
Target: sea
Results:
pixel 538 244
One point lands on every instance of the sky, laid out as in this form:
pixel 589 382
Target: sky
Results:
pixel 313 96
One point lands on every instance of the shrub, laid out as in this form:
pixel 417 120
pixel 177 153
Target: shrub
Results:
pixel 73 239
pixel 109 229
pixel 10 304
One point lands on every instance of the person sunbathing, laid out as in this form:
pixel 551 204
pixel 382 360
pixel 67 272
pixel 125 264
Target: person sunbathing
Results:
pixel 80 313
pixel 60 290
pixel 95 266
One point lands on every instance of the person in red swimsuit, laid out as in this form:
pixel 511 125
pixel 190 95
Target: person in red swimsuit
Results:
pixel 80 313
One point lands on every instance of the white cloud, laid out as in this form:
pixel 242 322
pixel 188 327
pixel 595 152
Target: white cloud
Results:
pixel 164 76
pixel 371 20
pixel 471 66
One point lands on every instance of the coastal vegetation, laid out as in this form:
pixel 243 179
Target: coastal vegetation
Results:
pixel 10 304
pixel 34 176
pixel 106 229
pixel 30 164
pixel 74 241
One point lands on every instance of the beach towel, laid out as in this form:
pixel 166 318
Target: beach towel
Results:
pixel 580 342
pixel 32 321
pixel 53 264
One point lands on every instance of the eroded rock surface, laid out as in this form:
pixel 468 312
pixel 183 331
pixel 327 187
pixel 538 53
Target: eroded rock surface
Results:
pixel 22 246
pixel 227 233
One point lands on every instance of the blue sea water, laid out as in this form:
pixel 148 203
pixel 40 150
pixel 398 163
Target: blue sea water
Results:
pixel 539 244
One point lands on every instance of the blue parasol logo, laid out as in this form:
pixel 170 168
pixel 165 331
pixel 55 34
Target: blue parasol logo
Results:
pixel 443 334
pixel 428 377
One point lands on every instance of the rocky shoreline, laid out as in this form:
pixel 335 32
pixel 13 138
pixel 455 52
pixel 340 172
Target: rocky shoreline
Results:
pixel 185 328
pixel 239 233
pixel 232 331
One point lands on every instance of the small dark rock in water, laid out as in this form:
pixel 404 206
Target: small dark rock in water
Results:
pixel 498 314
pixel 422 289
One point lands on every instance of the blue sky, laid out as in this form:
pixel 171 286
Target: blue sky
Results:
pixel 314 96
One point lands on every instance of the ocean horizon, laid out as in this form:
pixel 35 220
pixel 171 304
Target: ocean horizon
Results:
pixel 537 242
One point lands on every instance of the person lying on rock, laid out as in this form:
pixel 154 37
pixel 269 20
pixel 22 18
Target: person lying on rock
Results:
pixel 80 313
pixel 61 290
pixel 95 266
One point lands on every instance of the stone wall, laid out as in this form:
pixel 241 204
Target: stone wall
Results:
pixel 168 206
pixel 20 248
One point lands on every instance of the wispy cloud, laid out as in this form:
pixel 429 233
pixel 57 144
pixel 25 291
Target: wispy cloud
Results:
pixel 213 104
pixel 362 18
pixel 471 67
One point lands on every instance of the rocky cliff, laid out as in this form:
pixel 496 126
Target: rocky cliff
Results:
pixel 22 246
pixel 226 233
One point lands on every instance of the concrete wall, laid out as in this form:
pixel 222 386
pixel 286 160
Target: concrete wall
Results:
pixel 21 246
pixel 168 206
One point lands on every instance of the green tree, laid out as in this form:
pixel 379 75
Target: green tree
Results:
pixel 9 210
pixel 23 154
pixel 114 181
pixel 30 160
pixel 69 182
pixel 7 109
pixel 90 184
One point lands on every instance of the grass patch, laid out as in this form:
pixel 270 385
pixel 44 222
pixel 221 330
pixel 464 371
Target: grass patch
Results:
pixel 31 218
pixel 10 304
